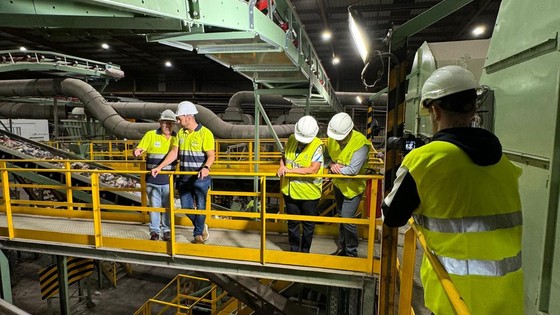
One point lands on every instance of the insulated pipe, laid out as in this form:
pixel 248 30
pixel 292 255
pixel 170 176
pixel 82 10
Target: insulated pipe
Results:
pixel 31 111
pixel 349 98
pixel 245 97
pixel 345 98
pixel 220 128
pixel 113 122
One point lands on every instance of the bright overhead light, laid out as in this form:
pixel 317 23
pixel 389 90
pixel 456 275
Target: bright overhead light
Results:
pixel 359 99
pixel 335 60
pixel 168 64
pixel 326 35
pixel 479 30
pixel 22 48
pixel 105 46
pixel 358 34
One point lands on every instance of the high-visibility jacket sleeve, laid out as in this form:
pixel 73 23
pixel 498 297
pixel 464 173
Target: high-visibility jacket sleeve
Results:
pixel 402 200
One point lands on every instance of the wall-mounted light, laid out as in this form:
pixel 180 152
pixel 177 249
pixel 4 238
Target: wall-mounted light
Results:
pixel 168 64
pixel 357 28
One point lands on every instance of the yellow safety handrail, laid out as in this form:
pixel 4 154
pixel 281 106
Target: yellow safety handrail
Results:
pixel 457 302
pixel 99 213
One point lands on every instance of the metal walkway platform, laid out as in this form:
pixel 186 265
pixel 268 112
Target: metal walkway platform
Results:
pixel 63 236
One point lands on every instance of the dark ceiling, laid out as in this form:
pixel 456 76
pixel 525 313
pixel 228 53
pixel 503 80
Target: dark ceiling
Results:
pixel 147 78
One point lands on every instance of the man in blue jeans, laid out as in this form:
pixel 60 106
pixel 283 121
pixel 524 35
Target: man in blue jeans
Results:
pixel 195 149
pixel 347 154
pixel 156 144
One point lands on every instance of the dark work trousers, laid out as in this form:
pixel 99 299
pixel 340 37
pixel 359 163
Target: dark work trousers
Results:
pixel 298 242
pixel 348 233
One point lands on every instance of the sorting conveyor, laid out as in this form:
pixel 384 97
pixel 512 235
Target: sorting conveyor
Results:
pixel 49 178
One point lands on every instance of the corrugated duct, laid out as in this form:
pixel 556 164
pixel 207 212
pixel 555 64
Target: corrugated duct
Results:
pixel 107 113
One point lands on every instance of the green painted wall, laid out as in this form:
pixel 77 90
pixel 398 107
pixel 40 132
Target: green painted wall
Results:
pixel 523 68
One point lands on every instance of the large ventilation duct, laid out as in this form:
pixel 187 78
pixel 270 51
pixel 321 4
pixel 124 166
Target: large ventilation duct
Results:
pixel 220 128
pixel 24 110
pixel 112 121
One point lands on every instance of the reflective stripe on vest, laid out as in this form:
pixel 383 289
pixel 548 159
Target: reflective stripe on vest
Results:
pixel 470 224
pixel 475 267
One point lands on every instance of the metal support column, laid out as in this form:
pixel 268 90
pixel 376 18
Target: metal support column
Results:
pixel 395 127
pixel 368 296
pixel 63 295
pixel 5 277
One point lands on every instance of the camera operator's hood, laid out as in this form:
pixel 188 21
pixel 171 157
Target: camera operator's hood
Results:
pixel 482 146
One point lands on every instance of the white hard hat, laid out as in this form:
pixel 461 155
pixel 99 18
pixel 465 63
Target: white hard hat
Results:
pixel 186 108
pixel 306 129
pixel 446 81
pixel 167 115
pixel 340 126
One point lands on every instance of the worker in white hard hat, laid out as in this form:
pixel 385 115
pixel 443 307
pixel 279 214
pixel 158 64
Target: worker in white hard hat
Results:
pixel 463 194
pixel 347 154
pixel 156 144
pixel 303 155
pixel 195 150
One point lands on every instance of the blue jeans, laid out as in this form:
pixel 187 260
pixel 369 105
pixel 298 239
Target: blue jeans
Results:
pixel 191 191
pixel 158 197
pixel 347 233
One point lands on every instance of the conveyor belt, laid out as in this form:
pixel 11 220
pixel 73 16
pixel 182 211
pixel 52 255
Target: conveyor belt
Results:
pixel 29 161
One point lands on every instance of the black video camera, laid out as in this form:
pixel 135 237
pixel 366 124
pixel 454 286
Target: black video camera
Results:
pixel 407 142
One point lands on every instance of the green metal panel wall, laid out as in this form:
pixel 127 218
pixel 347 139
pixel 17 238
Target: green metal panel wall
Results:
pixel 523 68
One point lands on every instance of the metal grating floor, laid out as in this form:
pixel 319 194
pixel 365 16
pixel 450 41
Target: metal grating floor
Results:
pixel 230 238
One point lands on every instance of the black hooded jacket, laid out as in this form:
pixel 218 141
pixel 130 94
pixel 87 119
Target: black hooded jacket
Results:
pixel 482 147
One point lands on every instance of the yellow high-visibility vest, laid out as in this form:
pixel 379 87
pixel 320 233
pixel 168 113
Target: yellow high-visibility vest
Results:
pixel 302 188
pixel 471 218
pixel 350 187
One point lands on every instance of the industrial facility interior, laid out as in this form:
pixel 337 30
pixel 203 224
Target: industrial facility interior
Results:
pixel 82 81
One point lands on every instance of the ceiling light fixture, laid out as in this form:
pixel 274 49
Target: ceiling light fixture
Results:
pixel 326 35
pixel 335 60
pixel 357 28
pixel 105 46
pixel 22 48
pixel 168 64
pixel 479 30
pixel 359 99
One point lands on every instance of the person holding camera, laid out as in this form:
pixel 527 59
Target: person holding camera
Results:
pixel 463 194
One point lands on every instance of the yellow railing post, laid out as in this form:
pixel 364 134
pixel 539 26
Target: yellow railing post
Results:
pixel 263 219
pixel 144 197
pixel 371 232
pixel 69 192
pixel 7 199
pixel 407 272
pixel 96 210
pixel 171 216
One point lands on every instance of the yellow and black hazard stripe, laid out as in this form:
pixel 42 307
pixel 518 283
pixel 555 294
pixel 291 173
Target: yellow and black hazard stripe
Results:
pixel 393 159
pixel 78 268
